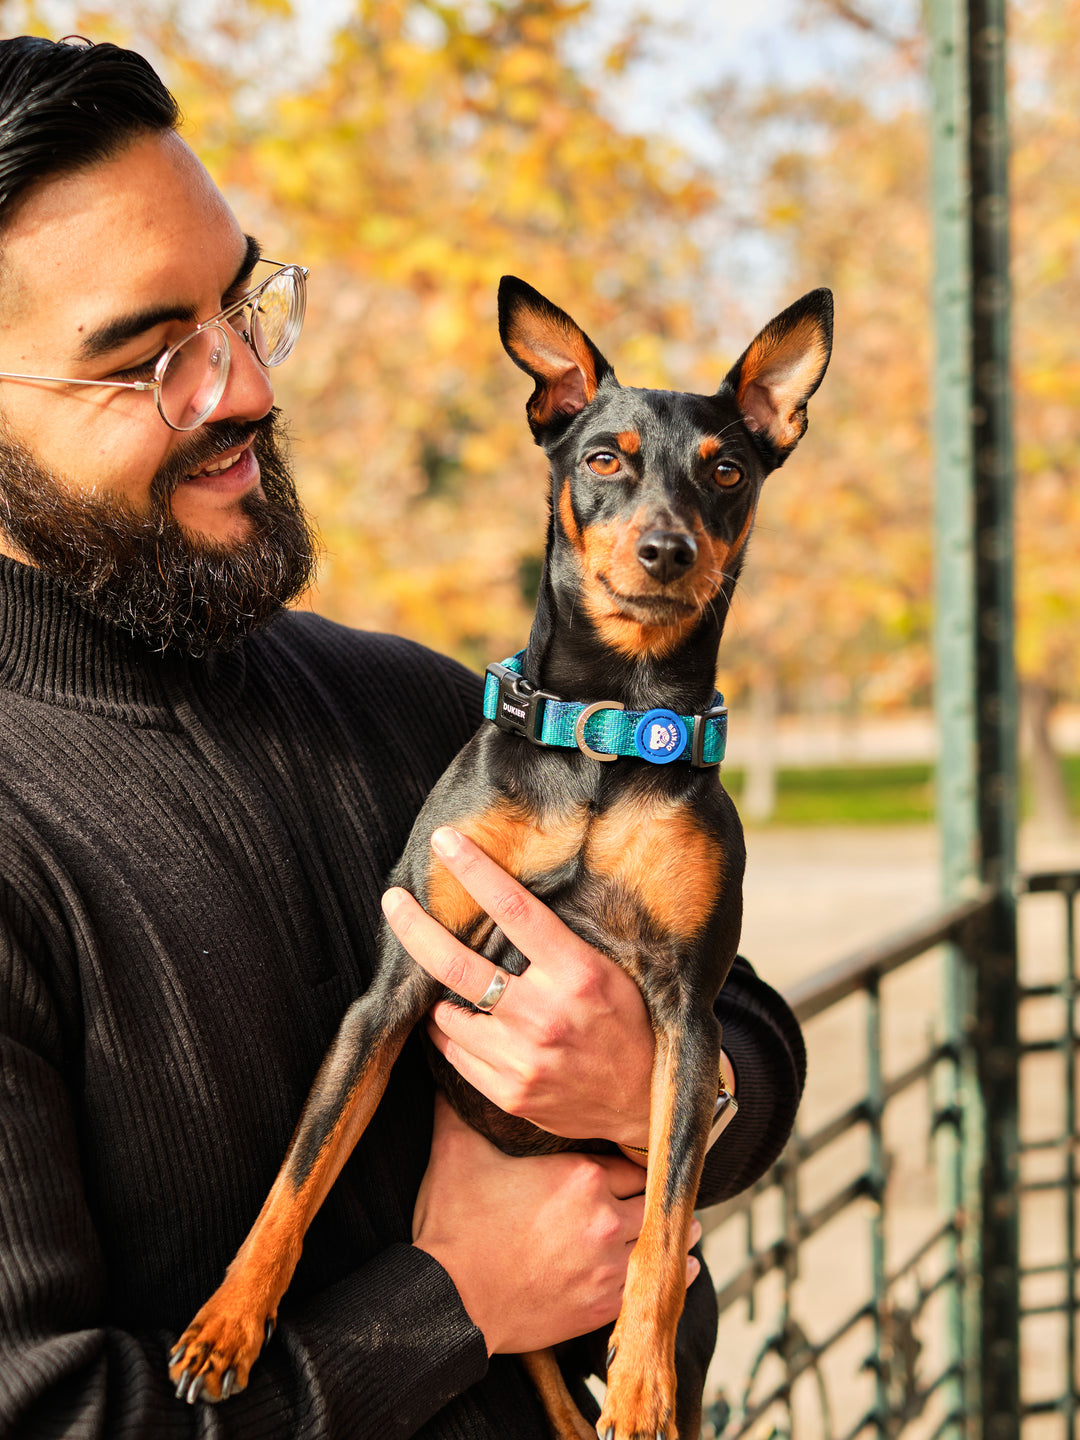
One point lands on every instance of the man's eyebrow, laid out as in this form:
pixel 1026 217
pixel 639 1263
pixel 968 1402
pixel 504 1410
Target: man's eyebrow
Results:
pixel 123 328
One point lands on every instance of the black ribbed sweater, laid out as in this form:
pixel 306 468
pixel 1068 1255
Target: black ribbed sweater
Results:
pixel 192 858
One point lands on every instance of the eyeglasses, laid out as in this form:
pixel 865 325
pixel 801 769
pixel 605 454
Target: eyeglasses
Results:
pixel 190 376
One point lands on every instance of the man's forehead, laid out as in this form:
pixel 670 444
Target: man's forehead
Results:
pixel 148 221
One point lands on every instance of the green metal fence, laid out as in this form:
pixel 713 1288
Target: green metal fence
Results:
pixel 851 1281
pixel 910 1266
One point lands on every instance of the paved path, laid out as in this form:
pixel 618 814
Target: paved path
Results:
pixel 815 894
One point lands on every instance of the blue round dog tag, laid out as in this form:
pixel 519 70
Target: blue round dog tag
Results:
pixel 660 736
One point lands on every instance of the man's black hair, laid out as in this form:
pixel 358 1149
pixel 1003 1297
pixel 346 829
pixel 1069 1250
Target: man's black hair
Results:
pixel 67 105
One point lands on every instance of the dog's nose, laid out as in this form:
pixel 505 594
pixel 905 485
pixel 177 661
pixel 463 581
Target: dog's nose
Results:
pixel 666 555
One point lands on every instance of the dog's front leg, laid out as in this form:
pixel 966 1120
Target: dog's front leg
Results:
pixel 640 1403
pixel 215 1353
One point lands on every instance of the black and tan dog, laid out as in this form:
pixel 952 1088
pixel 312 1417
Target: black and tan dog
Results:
pixel 653 498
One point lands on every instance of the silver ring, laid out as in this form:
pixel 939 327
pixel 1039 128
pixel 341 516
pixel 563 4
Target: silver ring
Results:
pixel 579 729
pixel 494 993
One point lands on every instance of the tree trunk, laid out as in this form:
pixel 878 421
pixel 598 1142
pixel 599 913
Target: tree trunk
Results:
pixel 1050 796
pixel 759 794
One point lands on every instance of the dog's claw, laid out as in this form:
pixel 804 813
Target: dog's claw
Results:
pixel 182 1384
pixel 270 1327
pixel 195 1389
pixel 609 1433
pixel 227 1384
pixel 611 1356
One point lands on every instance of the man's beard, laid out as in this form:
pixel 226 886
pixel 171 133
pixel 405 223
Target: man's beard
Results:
pixel 143 572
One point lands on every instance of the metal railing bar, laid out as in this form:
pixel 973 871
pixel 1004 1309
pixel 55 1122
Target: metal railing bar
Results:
pixel 1044 992
pixel 1050 1407
pixel 870 1418
pixel 1065 882
pixel 1053 1268
pixel 809 1360
pixel 773 1256
pixel 921 1070
pixel 954 1417
pixel 1028 1147
pixel 947 1229
pixel 1041 1047
pixel 810 997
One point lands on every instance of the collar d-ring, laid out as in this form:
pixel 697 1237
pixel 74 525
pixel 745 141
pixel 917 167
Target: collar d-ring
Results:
pixel 579 729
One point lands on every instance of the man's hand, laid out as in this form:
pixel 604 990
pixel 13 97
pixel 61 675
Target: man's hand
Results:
pixel 569 1046
pixel 537 1246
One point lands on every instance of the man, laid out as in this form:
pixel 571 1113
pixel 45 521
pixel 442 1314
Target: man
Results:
pixel 200 796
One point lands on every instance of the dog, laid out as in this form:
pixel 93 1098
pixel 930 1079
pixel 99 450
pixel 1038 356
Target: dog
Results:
pixel 597 785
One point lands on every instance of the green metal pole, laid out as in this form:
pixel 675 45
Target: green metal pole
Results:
pixel 992 448
pixel 959 1102
pixel 955 504
pixel 976 685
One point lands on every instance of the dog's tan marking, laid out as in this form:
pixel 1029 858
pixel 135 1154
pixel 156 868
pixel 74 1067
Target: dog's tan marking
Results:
pixel 657 850
pixel 552 348
pixel 779 370
pixel 629 441
pixel 563 1415
pixel 709 447
pixel 609 554
pixel 514 841
pixel 228 1332
pixel 571 528
pixel 641 1381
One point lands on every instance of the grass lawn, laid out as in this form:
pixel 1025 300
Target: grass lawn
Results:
pixel 846 795
pixel 868 794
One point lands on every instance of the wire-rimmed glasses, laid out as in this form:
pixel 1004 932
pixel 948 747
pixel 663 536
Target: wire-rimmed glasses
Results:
pixel 190 376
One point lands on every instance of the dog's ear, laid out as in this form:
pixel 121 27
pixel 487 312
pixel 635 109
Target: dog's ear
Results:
pixel 779 371
pixel 549 346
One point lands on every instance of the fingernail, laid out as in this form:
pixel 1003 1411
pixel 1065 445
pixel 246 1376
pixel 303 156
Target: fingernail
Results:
pixel 693 1269
pixel 446 842
pixel 695 1232
pixel 391 902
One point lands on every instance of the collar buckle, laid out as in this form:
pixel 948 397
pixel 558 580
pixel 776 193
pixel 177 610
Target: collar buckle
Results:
pixel 519 709
pixel 700 734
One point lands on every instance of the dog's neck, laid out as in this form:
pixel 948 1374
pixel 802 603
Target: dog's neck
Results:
pixel 566 656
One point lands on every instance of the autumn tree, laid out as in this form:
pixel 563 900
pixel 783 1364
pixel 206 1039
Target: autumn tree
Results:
pixel 841 582
pixel 441 146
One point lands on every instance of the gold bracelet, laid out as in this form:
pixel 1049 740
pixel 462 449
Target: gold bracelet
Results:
pixel 724 1112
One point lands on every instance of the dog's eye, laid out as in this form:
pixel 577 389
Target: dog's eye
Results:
pixel 603 464
pixel 727 474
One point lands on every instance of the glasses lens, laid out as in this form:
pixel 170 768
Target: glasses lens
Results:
pixel 194 379
pixel 278 315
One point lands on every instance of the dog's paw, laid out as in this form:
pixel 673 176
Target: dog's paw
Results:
pixel 213 1357
pixel 640 1402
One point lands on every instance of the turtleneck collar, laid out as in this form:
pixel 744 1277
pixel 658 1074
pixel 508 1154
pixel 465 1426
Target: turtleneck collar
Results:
pixel 54 650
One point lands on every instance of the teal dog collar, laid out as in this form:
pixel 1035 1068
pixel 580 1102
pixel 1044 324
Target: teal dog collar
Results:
pixel 603 730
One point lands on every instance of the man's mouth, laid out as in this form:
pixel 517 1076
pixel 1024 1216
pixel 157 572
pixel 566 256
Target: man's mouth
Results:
pixel 221 462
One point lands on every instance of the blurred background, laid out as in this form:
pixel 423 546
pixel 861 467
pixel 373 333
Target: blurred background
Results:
pixel 672 173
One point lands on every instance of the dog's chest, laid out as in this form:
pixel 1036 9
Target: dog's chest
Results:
pixel 646 861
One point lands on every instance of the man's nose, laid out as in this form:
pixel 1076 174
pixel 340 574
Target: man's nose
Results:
pixel 248 392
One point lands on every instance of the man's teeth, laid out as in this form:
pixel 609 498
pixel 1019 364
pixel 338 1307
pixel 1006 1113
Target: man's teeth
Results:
pixel 215 467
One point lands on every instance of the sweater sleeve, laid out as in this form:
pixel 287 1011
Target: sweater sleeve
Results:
pixel 763 1039
pixel 375 1355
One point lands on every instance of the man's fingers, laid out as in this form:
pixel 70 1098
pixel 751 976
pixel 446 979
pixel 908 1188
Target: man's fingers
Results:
pixel 526 923
pixel 480 1073
pixel 438 952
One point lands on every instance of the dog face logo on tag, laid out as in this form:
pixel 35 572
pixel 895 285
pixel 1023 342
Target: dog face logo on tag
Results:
pixel 660 736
